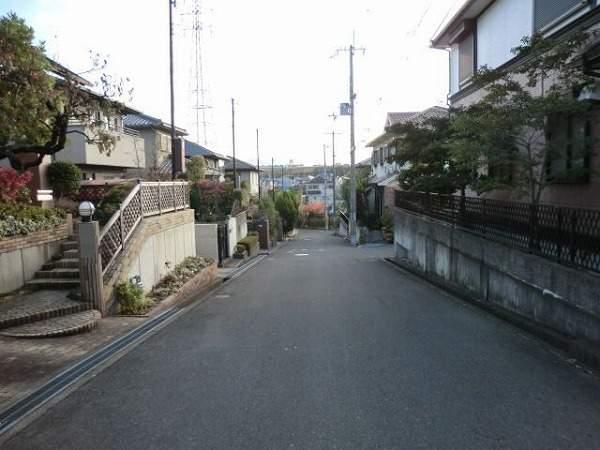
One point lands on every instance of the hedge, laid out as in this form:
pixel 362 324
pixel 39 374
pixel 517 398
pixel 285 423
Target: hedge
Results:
pixel 17 218
pixel 249 242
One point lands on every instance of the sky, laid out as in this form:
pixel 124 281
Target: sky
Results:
pixel 278 59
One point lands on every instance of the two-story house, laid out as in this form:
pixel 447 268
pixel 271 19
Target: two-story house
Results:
pixel 246 172
pixel 383 180
pixel 128 152
pixel 483 33
pixel 215 162
pixel 156 135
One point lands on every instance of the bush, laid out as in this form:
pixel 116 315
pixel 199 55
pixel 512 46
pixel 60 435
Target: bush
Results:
pixel 182 272
pixel 249 242
pixel 387 220
pixel 131 299
pixel 111 202
pixel 64 178
pixel 211 200
pixel 315 222
pixel 195 168
pixel 18 218
pixel 13 185
pixel 287 207
pixel 267 209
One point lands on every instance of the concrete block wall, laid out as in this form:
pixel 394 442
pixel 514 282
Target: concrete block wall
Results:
pixel 22 256
pixel 238 230
pixel 158 245
pixel 560 297
pixel 207 240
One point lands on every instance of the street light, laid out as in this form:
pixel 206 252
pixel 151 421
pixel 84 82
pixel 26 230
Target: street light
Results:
pixel 86 211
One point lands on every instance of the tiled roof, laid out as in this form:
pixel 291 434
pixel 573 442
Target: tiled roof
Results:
pixel 144 121
pixel 239 165
pixel 193 149
pixel 399 117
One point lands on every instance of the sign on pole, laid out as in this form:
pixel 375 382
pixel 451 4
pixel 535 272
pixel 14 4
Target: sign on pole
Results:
pixel 345 109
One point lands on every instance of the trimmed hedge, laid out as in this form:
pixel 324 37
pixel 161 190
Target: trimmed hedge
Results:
pixel 18 218
pixel 249 242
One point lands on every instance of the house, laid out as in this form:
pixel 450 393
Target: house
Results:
pixel 246 172
pixel 215 162
pixel 128 153
pixel 383 180
pixel 478 35
pixel 156 135
pixel 319 190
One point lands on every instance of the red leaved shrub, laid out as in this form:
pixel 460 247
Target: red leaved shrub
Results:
pixel 13 185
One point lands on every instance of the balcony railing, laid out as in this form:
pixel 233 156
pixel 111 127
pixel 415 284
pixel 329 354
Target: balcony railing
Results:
pixel 569 236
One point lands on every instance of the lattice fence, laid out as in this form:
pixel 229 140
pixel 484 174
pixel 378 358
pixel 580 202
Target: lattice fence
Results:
pixel 146 199
pixel 567 235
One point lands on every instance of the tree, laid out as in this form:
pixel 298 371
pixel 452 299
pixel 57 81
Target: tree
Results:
pixel 287 205
pixel 425 152
pixel 510 136
pixel 64 178
pixel 196 168
pixel 362 176
pixel 38 98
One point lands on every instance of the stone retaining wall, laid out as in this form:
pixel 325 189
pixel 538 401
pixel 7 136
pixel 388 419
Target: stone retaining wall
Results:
pixel 561 298
pixel 23 255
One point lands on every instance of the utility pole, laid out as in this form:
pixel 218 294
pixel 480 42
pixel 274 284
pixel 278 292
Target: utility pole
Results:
pixel 282 189
pixel 235 178
pixel 258 164
pixel 325 186
pixel 333 133
pixel 273 178
pixel 352 95
pixel 173 168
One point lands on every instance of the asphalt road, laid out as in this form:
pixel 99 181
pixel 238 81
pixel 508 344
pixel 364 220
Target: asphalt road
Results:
pixel 324 346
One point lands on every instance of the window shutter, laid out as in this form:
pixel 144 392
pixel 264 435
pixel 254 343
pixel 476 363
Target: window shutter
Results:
pixel 548 10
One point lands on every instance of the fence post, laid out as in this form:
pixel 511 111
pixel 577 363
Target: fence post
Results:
pixel 90 265
pixel 141 199
pixel 121 225
pixel 159 200
pixel 483 218
pixel 572 231
pixel 174 197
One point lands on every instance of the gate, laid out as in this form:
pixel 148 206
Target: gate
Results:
pixel 222 242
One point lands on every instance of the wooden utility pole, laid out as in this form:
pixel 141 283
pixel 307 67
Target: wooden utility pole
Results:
pixel 235 178
pixel 258 164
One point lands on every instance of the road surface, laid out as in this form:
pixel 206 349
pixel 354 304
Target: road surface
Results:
pixel 324 346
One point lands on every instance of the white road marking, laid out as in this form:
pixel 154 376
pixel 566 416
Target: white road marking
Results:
pixel 302 254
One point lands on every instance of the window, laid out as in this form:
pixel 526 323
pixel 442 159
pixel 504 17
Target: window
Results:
pixel 547 11
pixel 466 58
pixel 569 139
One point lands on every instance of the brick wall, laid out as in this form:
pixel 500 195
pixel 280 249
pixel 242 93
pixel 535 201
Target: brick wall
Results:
pixel 37 237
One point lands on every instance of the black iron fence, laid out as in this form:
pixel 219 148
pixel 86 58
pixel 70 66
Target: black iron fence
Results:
pixel 567 235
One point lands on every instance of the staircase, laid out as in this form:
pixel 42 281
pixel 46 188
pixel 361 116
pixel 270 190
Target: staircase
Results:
pixel 48 309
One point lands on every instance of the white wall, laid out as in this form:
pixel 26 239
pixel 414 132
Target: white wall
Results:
pixel 501 28
pixel 207 240
pixel 454 83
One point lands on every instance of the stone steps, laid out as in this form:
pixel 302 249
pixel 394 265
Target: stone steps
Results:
pixel 52 283
pixel 71 254
pixel 57 326
pixel 36 306
pixel 57 273
pixel 64 263
pixel 69 245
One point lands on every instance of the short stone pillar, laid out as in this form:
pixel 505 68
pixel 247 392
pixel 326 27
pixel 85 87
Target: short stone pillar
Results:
pixel 90 265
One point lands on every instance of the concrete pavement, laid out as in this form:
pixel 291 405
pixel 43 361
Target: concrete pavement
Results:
pixel 324 346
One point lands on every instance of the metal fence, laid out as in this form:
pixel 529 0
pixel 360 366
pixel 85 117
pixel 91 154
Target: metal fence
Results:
pixel 145 199
pixel 567 235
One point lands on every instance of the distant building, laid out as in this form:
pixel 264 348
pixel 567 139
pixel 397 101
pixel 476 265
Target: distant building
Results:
pixel 319 190
pixel 215 162
pixel 245 171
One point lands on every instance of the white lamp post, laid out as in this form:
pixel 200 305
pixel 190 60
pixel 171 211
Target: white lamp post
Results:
pixel 86 211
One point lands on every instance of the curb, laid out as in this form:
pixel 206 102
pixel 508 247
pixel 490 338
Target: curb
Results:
pixel 578 349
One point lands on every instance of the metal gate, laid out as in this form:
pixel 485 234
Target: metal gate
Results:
pixel 223 242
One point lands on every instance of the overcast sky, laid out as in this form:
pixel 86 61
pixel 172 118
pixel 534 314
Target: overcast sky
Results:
pixel 273 56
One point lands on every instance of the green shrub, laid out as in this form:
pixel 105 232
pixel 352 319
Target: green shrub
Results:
pixel 131 299
pixel 182 272
pixel 315 222
pixel 287 206
pixel 19 218
pixel 64 178
pixel 249 242
pixel 111 201
pixel 195 168
pixel 387 220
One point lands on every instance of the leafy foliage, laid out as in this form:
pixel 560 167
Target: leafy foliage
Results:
pixel 131 299
pixel 287 204
pixel 212 200
pixel 183 272
pixel 13 185
pixel 36 106
pixel 362 176
pixel 64 178
pixel 19 218
pixel 267 209
pixel 195 169
pixel 112 201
